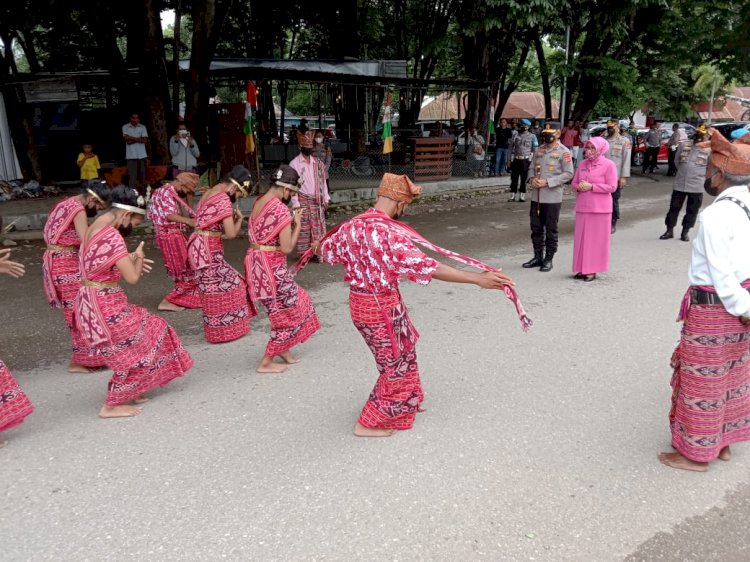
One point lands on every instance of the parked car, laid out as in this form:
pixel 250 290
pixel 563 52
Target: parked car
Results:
pixel 639 150
pixel 687 127
pixel 727 129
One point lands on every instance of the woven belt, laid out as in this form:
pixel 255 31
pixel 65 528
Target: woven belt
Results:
pixel 100 285
pixel 264 248
pixel 207 232
pixel 56 248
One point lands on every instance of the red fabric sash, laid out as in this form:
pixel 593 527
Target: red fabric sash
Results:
pixel 414 236
pixel 685 303
pixel 58 221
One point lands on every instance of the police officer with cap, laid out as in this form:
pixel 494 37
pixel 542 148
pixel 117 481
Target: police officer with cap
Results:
pixel 521 151
pixel 692 158
pixel 552 166
pixel 620 149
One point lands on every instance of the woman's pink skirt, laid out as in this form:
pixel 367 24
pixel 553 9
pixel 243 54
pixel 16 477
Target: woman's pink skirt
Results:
pixel 593 233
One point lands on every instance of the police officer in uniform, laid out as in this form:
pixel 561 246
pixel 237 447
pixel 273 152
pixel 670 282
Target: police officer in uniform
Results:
pixel 552 167
pixel 521 151
pixel 620 150
pixel 691 159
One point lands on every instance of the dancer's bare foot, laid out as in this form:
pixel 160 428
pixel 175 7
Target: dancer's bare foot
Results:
pixel 362 431
pixel 74 367
pixel 3 444
pixel 142 399
pixel 267 365
pixel 676 460
pixel 167 306
pixel 289 358
pixel 420 409
pixel 121 411
pixel 725 454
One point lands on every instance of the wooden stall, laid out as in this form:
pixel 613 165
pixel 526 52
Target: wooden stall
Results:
pixel 433 158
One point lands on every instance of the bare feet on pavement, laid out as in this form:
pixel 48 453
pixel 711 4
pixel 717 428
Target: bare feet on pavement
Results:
pixel 121 411
pixel 725 454
pixel 676 460
pixel 289 358
pixel 74 367
pixel 267 365
pixel 362 431
pixel 167 306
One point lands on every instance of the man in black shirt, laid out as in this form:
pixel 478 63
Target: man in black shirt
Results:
pixel 502 140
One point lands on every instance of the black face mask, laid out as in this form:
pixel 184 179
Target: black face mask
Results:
pixel 286 200
pixel 125 231
pixel 233 197
pixel 521 129
pixel 712 191
pixel 610 130
pixel 306 151
pixel 91 212
pixel 548 139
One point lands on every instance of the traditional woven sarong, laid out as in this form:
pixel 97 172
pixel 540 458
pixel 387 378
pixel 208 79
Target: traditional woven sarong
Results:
pixel 141 348
pixel 711 382
pixel 14 404
pixel 312 223
pixel 222 290
pixel 290 310
pixel 383 322
pixel 171 240
pixel 60 271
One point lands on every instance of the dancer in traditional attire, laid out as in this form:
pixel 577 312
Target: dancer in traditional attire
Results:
pixel 171 215
pixel 376 251
pixel 313 194
pixel 14 404
pixel 710 400
pixel 222 290
pixel 66 224
pixel 142 350
pixel 594 182
pixel 273 232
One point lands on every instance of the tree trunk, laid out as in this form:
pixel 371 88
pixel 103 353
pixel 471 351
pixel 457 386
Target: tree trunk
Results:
pixel 544 72
pixel 176 60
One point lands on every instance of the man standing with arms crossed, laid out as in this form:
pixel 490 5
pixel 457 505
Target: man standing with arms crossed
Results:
pixel 552 167
pixel 135 136
pixel 619 152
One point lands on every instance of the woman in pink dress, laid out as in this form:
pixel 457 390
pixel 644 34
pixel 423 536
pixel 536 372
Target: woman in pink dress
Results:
pixel 142 350
pixel 273 233
pixel 66 224
pixel 14 404
pixel 222 290
pixel 594 181
pixel 171 216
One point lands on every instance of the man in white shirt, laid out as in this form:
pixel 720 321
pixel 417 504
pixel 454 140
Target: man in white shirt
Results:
pixel 135 136
pixel 711 382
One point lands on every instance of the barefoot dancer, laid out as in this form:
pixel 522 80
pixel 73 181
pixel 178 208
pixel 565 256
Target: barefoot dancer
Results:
pixel 223 293
pixel 273 234
pixel 66 224
pixel 14 404
pixel 171 215
pixel 141 348
pixel 710 398
pixel 376 251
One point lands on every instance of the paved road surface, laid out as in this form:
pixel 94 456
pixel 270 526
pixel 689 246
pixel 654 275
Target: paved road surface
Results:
pixel 538 446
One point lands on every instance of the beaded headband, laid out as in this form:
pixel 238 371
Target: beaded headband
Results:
pixel 130 208
pixel 241 186
pixel 95 196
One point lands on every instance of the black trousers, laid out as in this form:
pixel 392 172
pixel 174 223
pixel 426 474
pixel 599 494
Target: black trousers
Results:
pixel 652 154
pixel 519 169
pixel 544 219
pixel 616 205
pixel 137 175
pixel 694 202
pixel 671 168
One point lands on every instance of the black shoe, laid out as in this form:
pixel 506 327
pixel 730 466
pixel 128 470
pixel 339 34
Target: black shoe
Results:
pixel 684 236
pixel 536 261
pixel 667 235
pixel 546 264
pixel 590 277
pixel 614 228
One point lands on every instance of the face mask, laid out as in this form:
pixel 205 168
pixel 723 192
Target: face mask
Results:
pixel 233 197
pixel 125 231
pixel 306 151
pixel 548 139
pixel 91 212
pixel 610 130
pixel 182 194
pixel 712 191
pixel 286 200
pixel 318 139
pixel 521 129
pixel 590 153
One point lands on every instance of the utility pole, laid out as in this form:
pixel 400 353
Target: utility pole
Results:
pixel 564 92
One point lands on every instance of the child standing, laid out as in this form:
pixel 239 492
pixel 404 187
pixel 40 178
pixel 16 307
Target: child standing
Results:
pixel 88 162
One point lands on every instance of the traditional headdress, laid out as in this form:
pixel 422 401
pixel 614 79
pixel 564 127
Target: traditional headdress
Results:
pixel 187 180
pixel 141 201
pixel 244 187
pixel 398 188
pixel 93 194
pixel 306 139
pixel 729 158
pixel 287 177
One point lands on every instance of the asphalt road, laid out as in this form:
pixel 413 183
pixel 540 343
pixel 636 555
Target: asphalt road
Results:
pixel 538 446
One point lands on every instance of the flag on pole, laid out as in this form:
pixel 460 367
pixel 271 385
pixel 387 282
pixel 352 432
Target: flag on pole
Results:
pixel 387 132
pixel 250 103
